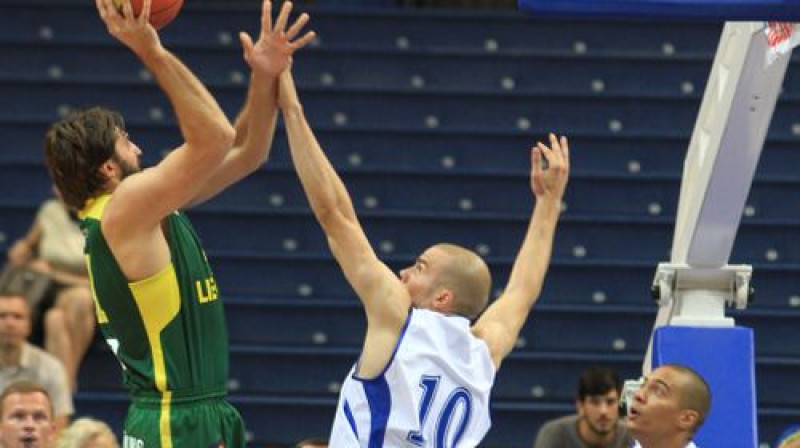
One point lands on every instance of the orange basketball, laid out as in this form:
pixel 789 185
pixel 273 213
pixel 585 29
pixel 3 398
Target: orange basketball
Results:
pixel 162 12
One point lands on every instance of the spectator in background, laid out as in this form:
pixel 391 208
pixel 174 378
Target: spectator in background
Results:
pixel 64 320
pixel 789 438
pixel 669 408
pixel 313 443
pixel 87 433
pixel 596 423
pixel 21 361
pixel 26 416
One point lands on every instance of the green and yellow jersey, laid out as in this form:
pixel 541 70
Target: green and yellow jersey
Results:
pixel 168 331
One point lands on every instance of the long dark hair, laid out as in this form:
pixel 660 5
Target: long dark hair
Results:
pixel 76 147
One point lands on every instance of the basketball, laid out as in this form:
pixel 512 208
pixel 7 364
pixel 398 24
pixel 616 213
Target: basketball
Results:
pixel 162 12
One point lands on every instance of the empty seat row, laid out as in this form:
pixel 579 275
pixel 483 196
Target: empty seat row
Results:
pixel 507 112
pixel 337 68
pixel 416 71
pixel 407 234
pixel 359 108
pixel 439 150
pixel 208 23
pixel 406 186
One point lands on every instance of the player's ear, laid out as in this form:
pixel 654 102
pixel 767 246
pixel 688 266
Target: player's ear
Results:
pixel 108 169
pixel 444 300
pixel 688 419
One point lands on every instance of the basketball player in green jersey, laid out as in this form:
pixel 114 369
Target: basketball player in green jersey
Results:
pixel 157 302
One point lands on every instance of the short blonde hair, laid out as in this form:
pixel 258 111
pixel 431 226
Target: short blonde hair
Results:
pixel 24 387
pixel 82 431
pixel 465 273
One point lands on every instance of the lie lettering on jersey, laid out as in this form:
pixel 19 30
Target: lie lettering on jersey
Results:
pixel 131 442
pixel 207 290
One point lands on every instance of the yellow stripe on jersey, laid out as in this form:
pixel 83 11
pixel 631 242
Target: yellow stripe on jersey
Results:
pixel 163 421
pixel 94 207
pixel 158 299
pixel 101 315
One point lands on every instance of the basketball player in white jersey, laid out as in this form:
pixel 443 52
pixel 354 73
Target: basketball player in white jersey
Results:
pixel 425 371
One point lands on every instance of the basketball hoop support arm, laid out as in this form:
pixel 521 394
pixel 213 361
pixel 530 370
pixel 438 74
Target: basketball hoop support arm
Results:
pixel 739 99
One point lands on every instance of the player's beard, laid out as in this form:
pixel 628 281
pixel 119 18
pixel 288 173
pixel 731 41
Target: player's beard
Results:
pixel 126 168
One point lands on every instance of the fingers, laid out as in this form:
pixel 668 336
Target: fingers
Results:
pixel 103 9
pixel 266 17
pixel 557 154
pixel 283 17
pixel 536 170
pixel 297 26
pixel 109 8
pixel 247 45
pixel 547 153
pixel 127 9
pixel 536 158
pixel 303 41
pixel 144 14
pixel 111 12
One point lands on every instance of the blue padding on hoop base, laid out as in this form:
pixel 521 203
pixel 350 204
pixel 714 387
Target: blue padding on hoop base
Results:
pixel 722 10
pixel 725 358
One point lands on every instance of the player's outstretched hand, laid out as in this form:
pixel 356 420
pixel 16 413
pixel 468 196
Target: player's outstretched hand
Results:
pixel 550 168
pixel 272 53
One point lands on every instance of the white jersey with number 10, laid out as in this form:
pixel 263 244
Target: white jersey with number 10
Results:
pixel 434 392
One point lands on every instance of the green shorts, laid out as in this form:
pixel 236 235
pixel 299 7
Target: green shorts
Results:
pixel 183 421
